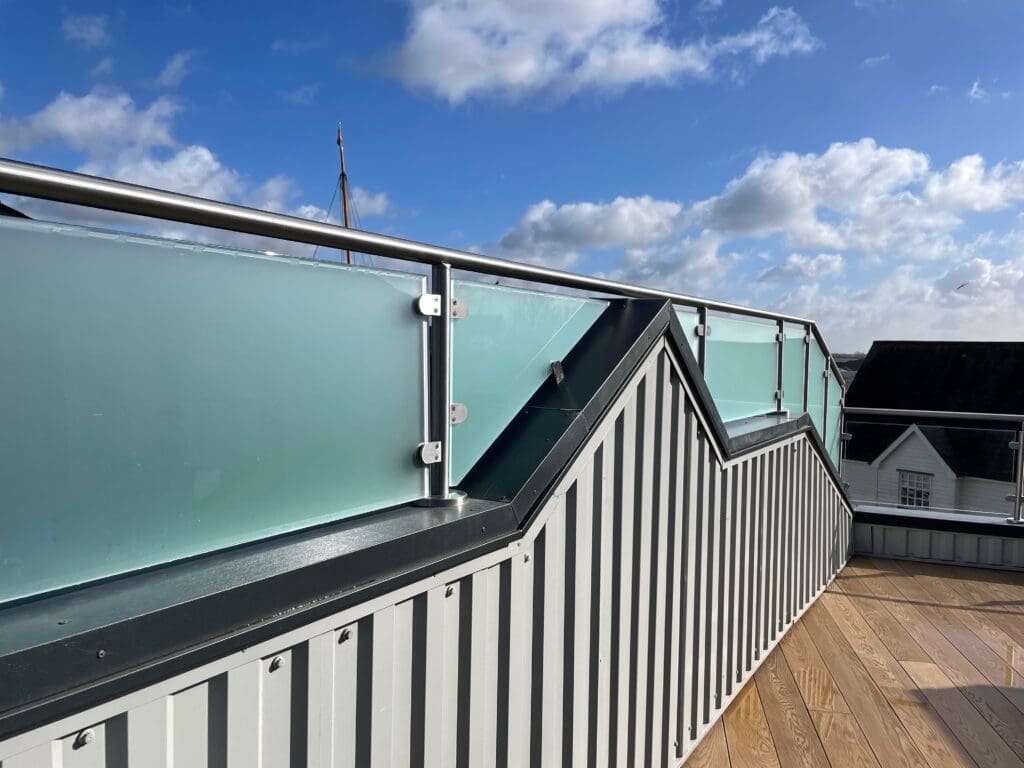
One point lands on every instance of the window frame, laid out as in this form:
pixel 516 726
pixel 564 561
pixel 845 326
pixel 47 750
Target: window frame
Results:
pixel 914 487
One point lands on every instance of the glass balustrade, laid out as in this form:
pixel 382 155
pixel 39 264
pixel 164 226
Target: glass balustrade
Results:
pixel 160 399
pixel 932 468
pixel 741 368
pixel 816 386
pixel 502 353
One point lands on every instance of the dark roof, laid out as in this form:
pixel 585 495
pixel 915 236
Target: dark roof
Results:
pixel 974 452
pixel 6 210
pixel 969 451
pixel 978 376
pixel 981 376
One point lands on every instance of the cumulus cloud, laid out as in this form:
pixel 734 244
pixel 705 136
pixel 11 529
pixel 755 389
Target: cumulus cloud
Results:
pixel 887 210
pixel 121 139
pixel 555 234
pixel 801 268
pixel 977 92
pixel 874 61
pixel 910 303
pixel 936 89
pixel 690 264
pixel 370 203
pixel 856 195
pixel 496 47
pixel 89 31
pixel 176 70
pixel 99 122
pixel 967 185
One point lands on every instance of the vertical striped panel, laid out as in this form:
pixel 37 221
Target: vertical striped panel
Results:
pixel 651 585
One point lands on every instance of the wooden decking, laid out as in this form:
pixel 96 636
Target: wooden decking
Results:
pixel 897 664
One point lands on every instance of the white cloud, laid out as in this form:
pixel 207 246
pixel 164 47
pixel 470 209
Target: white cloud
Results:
pixel 192 170
pixel 2 91
pixel 874 61
pixel 909 303
pixel 800 268
pixel 99 122
pixel 885 209
pixel 967 185
pixel 370 203
pixel 90 31
pixel 854 196
pixel 104 68
pixel 688 264
pixel 936 89
pixel 304 95
pixel 977 92
pixel 555 234
pixel 124 141
pixel 498 47
pixel 176 70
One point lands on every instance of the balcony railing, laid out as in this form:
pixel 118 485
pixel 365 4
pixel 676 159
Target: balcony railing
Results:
pixel 935 463
pixel 164 399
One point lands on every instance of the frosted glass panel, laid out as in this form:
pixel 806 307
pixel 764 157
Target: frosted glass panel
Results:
pixel 502 354
pixel 160 400
pixel 688 318
pixel 793 369
pixel 742 366
pixel 834 416
pixel 816 386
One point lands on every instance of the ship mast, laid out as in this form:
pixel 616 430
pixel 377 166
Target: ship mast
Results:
pixel 344 190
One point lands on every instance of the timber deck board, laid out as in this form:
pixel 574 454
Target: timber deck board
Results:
pixel 897 664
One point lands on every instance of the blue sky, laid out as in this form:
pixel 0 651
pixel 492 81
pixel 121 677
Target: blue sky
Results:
pixel 854 162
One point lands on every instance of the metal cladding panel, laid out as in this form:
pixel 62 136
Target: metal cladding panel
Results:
pixel 951 547
pixel 646 591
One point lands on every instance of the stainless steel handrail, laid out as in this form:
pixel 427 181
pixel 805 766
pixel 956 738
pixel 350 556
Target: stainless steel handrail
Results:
pixel 1018 418
pixel 94 192
pixel 79 189
pixel 851 410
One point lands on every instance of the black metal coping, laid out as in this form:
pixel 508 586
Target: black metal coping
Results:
pixel 65 652
pixel 979 527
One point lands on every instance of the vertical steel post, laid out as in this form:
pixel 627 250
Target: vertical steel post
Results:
pixel 780 340
pixel 702 338
pixel 842 428
pixel 440 393
pixel 1018 501
pixel 824 406
pixel 807 364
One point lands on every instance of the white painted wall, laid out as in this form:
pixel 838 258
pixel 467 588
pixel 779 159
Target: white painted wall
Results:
pixel 869 482
pixel 915 454
pixel 985 495
pixel 863 480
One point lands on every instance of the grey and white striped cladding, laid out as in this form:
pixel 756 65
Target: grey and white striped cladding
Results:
pixel 646 591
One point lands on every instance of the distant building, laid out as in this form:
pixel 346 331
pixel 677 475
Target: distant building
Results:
pixel 935 463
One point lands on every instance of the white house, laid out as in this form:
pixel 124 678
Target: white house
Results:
pixel 912 472
pixel 941 464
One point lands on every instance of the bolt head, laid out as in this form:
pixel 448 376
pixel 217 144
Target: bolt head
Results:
pixel 85 737
pixel 100 653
